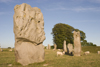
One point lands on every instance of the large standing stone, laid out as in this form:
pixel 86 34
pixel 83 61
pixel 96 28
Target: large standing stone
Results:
pixel 29 34
pixel 69 48
pixel 77 43
pixel 64 46
pixel 55 46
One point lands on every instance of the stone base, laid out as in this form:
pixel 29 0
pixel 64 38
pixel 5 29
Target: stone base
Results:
pixel 27 53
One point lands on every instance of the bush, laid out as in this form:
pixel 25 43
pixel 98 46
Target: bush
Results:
pixel 9 47
pixel 52 47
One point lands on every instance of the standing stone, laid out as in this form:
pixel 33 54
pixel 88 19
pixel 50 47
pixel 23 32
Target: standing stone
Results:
pixel 69 48
pixel 55 46
pixel 10 49
pixel 29 34
pixel 49 47
pixel 1 50
pixel 77 43
pixel 64 46
pixel 46 47
pixel 98 52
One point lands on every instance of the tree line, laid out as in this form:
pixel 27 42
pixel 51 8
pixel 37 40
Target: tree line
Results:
pixel 63 32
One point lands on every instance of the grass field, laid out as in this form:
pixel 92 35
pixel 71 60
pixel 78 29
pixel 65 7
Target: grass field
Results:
pixel 51 60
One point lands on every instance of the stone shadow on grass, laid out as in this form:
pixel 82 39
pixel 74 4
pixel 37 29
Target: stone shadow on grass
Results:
pixel 70 54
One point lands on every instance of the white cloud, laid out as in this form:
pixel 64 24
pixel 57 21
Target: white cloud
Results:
pixel 40 1
pixel 82 9
pixel 76 9
pixel 5 1
pixel 1 13
pixel 6 13
pixel 94 1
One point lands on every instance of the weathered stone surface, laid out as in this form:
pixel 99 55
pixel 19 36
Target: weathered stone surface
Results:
pixel 98 52
pixel 43 46
pixel 64 46
pixel 55 46
pixel 29 34
pixel 69 48
pixel 77 43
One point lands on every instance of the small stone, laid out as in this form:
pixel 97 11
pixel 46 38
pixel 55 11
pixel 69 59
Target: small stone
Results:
pixel 10 49
pixel 9 64
pixel 98 52
pixel 45 64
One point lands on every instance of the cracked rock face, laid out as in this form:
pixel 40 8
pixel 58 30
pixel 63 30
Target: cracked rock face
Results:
pixel 29 34
pixel 77 43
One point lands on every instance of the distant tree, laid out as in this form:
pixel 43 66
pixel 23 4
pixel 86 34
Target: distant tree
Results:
pixel 94 45
pixel 63 32
pixel 85 43
pixel 82 34
pixel 9 47
pixel 52 46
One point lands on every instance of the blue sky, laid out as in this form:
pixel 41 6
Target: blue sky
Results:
pixel 81 14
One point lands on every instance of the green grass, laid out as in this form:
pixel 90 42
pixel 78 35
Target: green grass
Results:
pixel 92 49
pixel 51 60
